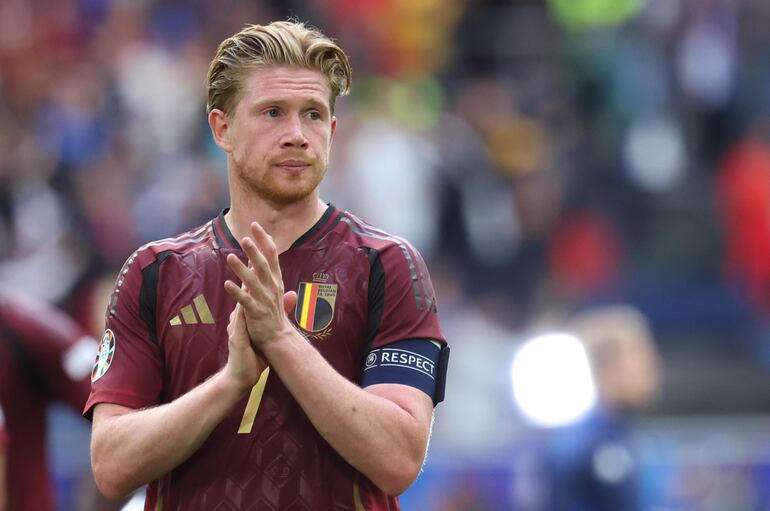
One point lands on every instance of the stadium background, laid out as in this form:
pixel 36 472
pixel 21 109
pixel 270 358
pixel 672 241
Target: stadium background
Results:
pixel 544 156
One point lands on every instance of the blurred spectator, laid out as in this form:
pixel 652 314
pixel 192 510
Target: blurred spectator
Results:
pixel 556 153
pixel 743 194
pixel 404 170
pixel 44 357
pixel 591 465
pixel 585 257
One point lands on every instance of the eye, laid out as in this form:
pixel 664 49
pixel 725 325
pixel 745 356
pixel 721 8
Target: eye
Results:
pixel 272 112
pixel 314 115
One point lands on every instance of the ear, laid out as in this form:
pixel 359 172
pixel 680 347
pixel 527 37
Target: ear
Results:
pixel 334 128
pixel 220 129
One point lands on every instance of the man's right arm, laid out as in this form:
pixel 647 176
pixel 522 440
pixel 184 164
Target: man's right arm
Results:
pixel 130 447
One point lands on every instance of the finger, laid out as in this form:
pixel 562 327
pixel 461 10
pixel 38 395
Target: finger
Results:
pixel 244 299
pixel 231 323
pixel 289 301
pixel 241 320
pixel 250 282
pixel 234 315
pixel 257 260
pixel 267 247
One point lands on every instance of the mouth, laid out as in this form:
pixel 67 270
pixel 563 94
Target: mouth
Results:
pixel 293 166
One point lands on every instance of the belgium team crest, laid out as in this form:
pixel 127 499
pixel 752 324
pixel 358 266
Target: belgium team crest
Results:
pixel 315 305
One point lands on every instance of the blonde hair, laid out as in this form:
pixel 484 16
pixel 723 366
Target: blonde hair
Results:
pixel 281 43
pixel 604 332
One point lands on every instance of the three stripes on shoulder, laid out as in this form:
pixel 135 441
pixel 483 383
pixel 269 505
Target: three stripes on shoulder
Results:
pixel 188 315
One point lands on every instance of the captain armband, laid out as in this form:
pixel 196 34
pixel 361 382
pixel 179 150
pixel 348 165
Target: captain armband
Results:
pixel 419 363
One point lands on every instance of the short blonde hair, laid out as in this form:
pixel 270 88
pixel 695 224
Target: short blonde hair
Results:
pixel 281 43
pixel 604 332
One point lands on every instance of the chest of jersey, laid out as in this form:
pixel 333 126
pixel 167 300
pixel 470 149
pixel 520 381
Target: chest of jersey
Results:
pixel 193 310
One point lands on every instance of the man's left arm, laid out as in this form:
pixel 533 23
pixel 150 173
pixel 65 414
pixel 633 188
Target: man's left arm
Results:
pixel 381 430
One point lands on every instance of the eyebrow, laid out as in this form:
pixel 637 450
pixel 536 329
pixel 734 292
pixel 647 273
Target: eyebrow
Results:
pixel 320 105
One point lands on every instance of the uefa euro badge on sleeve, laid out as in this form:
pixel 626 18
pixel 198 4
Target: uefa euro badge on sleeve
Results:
pixel 104 356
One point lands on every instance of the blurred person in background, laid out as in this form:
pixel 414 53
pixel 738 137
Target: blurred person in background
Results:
pixel 44 357
pixel 591 465
pixel 213 394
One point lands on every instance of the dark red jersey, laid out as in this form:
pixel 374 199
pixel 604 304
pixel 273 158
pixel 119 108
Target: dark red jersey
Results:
pixel 359 288
pixel 44 356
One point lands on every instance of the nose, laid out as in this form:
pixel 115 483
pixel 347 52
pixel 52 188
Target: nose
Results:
pixel 294 135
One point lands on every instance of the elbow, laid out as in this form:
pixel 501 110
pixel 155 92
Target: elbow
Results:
pixel 399 477
pixel 109 480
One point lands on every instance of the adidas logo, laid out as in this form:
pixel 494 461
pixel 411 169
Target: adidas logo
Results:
pixel 188 315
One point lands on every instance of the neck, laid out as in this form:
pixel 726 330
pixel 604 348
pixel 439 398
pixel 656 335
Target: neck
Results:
pixel 284 222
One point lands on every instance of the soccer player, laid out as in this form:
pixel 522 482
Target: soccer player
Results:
pixel 591 465
pixel 44 357
pixel 286 354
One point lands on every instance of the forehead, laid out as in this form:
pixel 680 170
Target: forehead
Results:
pixel 280 83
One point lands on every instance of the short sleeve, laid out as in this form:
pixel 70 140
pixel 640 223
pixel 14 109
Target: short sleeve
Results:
pixel 128 369
pixel 402 302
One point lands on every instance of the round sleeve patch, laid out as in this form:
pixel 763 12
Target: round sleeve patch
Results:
pixel 104 355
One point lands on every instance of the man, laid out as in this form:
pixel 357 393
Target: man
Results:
pixel 223 391
pixel 44 357
pixel 591 466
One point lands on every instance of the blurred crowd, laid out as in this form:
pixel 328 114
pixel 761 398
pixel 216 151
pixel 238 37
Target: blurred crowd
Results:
pixel 543 155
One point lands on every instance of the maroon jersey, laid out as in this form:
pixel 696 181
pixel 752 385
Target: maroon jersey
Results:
pixel 359 288
pixel 44 357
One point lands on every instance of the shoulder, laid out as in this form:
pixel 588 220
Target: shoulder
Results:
pixel 146 260
pixel 201 237
pixel 196 239
pixel 367 236
pixel 396 263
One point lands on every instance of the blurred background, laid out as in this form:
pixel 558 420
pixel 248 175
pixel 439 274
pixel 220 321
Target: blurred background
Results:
pixel 544 156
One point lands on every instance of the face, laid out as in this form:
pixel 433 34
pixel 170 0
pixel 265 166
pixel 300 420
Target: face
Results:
pixel 637 375
pixel 279 134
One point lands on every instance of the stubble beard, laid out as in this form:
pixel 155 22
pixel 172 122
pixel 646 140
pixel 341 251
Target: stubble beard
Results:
pixel 283 192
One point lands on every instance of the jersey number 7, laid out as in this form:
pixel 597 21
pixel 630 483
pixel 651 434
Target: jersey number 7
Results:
pixel 252 406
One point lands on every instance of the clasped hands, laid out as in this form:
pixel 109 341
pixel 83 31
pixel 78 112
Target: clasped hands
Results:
pixel 260 314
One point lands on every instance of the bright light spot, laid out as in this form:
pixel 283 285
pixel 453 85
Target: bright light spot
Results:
pixel 613 463
pixel 552 383
pixel 654 153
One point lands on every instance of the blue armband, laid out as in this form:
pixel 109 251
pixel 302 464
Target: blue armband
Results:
pixel 419 363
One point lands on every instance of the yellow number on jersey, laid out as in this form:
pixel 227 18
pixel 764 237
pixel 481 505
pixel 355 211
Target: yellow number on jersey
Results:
pixel 255 398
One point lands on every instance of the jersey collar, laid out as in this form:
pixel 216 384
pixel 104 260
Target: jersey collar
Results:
pixel 320 229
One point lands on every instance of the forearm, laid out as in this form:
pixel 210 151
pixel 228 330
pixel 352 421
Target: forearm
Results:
pixel 382 440
pixel 134 448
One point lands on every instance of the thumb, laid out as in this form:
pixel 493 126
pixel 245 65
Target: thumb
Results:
pixel 289 301
pixel 239 321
